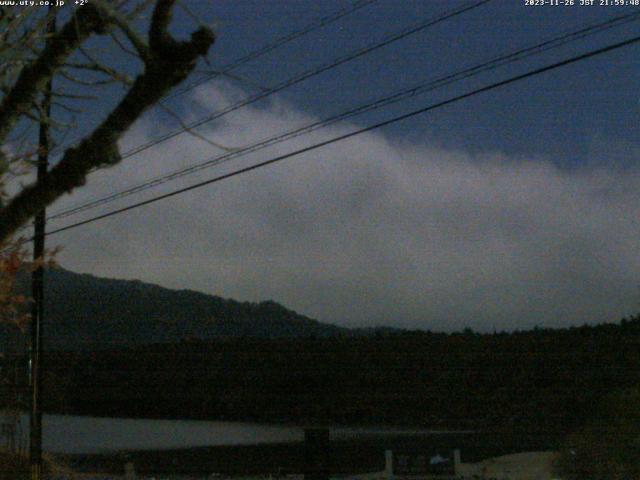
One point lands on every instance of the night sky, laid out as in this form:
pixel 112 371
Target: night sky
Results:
pixel 514 208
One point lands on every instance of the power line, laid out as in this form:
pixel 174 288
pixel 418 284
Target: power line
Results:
pixel 390 99
pixel 339 138
pixel 275 44
pixel 278 42
pixel 306 75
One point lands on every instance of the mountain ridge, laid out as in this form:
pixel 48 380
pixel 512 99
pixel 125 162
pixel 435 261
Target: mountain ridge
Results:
pixel 83 311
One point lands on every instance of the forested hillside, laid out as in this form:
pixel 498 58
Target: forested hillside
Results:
pixel 88 312
pixel 126 348
pixel 542 380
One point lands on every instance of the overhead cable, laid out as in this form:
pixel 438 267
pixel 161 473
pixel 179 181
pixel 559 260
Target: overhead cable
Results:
pixel 421 88
pixel 306 75
pixel 360 131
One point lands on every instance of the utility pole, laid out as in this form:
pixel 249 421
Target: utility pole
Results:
pixel 37 284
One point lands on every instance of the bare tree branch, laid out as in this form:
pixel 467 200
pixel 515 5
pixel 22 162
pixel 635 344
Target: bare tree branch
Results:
pixel 32 79
pixel 169 63
pixel 139 8
pixel 87 83
pixel 192 131
pixel 67 108
pixel 75 96
pixel 100 67
pixel 122 46
pixel 123 24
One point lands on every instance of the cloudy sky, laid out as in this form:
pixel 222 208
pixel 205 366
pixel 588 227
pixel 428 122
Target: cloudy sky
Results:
pixel 513 209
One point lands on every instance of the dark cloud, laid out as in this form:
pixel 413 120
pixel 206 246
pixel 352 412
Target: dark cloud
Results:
pixel 373 231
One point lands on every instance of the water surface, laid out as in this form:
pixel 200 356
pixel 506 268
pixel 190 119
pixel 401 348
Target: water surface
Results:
pixel 76 434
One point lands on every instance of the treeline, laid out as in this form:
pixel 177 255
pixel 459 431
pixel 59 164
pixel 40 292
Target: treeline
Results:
pixel 545 380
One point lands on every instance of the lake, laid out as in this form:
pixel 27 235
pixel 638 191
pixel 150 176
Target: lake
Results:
pixel 76 434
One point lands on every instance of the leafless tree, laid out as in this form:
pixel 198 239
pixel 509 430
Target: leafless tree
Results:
pixel 30 56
